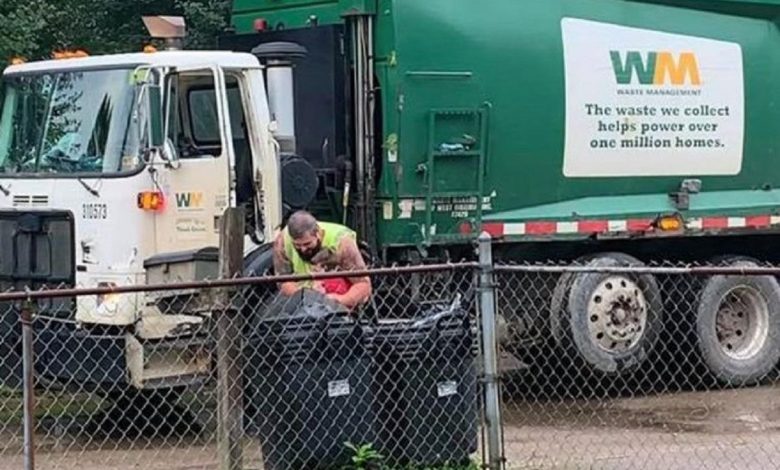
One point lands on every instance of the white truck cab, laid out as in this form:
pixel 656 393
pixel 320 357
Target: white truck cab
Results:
pixel 144 151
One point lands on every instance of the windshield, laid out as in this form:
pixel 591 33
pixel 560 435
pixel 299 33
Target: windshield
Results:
pixel 69 122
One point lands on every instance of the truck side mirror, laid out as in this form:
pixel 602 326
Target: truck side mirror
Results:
pixel 156 130
pixel 169 154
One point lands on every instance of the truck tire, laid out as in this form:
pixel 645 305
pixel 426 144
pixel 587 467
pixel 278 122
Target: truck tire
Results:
pixel 737 325
pixel 611 321
pixel 255 297
pixel 561 296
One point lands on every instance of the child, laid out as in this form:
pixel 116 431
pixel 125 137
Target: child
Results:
pixel 335 285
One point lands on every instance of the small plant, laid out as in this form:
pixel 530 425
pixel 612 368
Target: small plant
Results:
pixel 364 457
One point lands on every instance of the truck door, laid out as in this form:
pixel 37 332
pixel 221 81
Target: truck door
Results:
pixel 196 182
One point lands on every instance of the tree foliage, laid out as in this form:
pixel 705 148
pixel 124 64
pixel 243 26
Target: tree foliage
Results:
pixel 33 29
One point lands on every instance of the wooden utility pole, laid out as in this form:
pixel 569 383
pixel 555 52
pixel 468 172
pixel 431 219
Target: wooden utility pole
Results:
pixel 230 387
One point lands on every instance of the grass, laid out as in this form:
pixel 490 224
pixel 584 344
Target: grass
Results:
pixel 47 405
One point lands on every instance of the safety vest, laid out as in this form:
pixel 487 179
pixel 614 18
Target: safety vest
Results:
pixel 332 236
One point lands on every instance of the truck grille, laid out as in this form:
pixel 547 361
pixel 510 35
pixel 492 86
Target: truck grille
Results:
pixel 27 200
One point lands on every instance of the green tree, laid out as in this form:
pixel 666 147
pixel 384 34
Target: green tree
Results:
pixel 33 29
pixel 205 20
pixel 22 24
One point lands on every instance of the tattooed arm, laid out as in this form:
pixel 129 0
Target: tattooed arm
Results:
pixel 350 259
pixel 283 266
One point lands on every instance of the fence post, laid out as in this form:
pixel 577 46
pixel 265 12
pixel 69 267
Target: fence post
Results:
pixel 230 388
pixel 487 311
pixel 28 392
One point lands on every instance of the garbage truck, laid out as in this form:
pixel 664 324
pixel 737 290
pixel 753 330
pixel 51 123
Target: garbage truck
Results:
pixel 603 132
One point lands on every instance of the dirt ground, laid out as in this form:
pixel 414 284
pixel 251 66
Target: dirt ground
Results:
pixel 732 429
pixel 729 429
pixel 107 455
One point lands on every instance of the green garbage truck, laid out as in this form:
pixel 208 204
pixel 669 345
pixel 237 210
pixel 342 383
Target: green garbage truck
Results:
pixel 608 133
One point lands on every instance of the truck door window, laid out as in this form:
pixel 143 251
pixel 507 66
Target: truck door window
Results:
pixel 205 121
pixel 204 118
pixel 244 191
pixel 193 121
pixel 194 127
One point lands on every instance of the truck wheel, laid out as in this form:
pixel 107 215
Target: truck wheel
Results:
pixel 255 298
pixel 737 326
pixel 560 297
pixel 612 320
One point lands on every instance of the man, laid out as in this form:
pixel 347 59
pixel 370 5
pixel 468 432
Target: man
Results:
pixel 307 245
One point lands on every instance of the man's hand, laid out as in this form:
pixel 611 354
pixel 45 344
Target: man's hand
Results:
pixel 289 288
pixel 317 286
pixel 350 259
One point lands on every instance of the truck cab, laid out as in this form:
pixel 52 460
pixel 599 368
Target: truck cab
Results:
pixel 133 157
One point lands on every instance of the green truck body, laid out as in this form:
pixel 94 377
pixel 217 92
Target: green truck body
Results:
pixel 560 139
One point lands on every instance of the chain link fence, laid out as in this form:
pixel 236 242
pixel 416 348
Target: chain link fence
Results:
pixel 609 363
pixel 303 382
pixel 604 362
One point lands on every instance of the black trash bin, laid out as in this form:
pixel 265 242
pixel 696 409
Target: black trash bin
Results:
pixel 425 388
pixel 310 377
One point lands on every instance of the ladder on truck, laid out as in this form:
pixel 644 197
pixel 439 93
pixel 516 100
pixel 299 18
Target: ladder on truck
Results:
pixel 442 124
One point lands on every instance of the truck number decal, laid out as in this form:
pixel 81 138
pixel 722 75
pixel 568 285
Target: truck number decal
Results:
pixel 94 211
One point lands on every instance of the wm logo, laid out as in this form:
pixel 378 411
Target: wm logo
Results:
pixel 191 200
pixel 655 68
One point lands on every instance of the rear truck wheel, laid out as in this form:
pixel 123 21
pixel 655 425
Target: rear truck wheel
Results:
pixel 608 321
pixel 737 325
